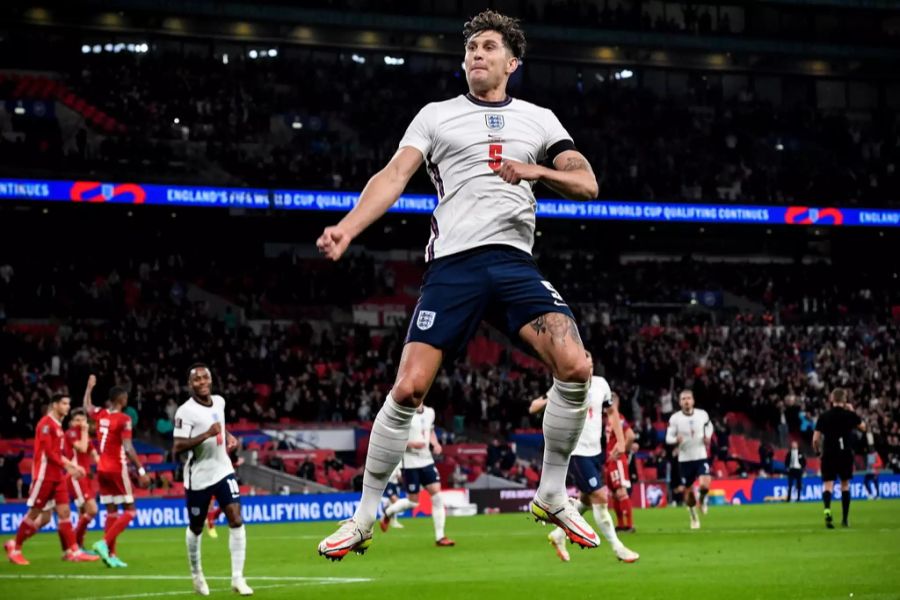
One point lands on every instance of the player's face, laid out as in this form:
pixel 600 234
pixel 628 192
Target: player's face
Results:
pixel 488 61
pixel 63 406
pixel 201 382
pixel 78 422
pixel 686 400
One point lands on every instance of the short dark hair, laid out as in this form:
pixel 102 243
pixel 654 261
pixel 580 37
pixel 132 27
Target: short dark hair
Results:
pixel 116 391
pixel 686 391
pixel 197 365
pixel 508 27
pixel 78 412
pixel 58 397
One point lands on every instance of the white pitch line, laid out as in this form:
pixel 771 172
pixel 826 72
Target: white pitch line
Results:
pixel 182 592
pixel 314 580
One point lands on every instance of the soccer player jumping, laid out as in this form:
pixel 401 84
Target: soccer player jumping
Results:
pixel 484 152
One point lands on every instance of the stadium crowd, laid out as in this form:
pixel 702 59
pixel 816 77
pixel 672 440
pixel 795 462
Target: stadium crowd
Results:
pixel 330 119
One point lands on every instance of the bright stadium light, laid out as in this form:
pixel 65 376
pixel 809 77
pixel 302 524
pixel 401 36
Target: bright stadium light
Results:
pixel 85 49
pixel 108 47
pixel 779 146
pixel 297 124
pixel 360 60
pixel 130 47
pixel 144 47
pixel 394 62
pixel 19 110
pixel 253 54
pixel 224 59
pixel 98 48
pixel 176 120
pixel 118 48
pixel 273 53
pixel 624 74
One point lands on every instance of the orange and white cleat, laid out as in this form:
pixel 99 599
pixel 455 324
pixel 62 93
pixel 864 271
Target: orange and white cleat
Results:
pixel 626 555
pixel 348 538
pixel 79 555
pixel 566 517
pixel 445 541
pixel 14 554
pixel 557 539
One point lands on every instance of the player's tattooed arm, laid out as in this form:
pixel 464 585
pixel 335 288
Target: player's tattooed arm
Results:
pixel 572 176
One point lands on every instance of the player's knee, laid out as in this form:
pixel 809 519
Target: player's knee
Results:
pixel 576 368
pixel 236 522
pixel 410 388
pixel 598 497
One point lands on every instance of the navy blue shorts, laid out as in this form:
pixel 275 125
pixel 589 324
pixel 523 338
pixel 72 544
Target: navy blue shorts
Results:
pixel 392 489
pixel 225 492
pixel 499 284
pixel 690 470
pixel 588 472
pixel 416 479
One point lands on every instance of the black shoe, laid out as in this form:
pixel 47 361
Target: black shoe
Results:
pixel 844 523
pixel 829 520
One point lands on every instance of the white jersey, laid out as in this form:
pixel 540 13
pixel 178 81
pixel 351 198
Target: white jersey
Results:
pixel 692 428
pixel 420 431
pixel 590 443
pixel 463 141
pixel 208 462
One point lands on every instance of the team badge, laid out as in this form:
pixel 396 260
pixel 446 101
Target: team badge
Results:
pixel 494 121
pixel 195 510
pixel 425 319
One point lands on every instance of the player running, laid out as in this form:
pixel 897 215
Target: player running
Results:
pixel 48 486
pixel 586 467
pixel 484 152
pixel 418 472
pixel 208 473
pixel 80 451
pixel 116 449
pixel 833 441
pixel 616 469
pixel 690 429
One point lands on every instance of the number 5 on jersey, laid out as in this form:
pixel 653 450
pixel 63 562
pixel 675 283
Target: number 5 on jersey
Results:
pixel 495 154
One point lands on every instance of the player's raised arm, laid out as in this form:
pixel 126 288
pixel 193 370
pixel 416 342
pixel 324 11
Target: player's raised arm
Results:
pixel 380 193
pixel 88 405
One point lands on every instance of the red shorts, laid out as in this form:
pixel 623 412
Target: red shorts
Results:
pixel 115 487
pixel 81 490
pixel 46 495
pixel 617 474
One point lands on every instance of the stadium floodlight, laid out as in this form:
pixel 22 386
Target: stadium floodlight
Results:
pixel 108 47
pixel 19 110
pixel 224 59
pixel 98 48
pixel 85 49
pixel 394 62
pixel 297 124
pixel 361 60
pixel 130 47
pixel 144 47
pixel 779 146
pixel 624 74
pixel 273 53
pixel 118 48
pixel 253 54
pixel 176 120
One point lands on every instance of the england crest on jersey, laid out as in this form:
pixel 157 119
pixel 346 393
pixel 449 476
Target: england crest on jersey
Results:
pixel 425 319
pixel 494 121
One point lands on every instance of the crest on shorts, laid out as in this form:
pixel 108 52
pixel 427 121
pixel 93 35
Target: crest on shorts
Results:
pixel 195 510
pixel 425 319
pixel 494 121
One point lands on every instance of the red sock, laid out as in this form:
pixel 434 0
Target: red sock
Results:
pixel 212 515
pixel 27 528
pixel 83 522
pixel 67 535
pixel 116 528
pixel 111 519
pixel 627 512
pixel 620 518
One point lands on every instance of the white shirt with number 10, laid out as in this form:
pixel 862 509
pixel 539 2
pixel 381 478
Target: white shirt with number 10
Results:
pixel 208 462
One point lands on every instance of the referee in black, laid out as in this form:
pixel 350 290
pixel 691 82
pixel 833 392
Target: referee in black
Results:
pixel 833 441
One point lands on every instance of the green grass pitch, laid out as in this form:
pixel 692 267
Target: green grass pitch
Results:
pixel 772 552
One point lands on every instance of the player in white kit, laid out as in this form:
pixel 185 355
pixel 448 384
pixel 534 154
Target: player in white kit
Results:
pixel 419 472
pixel 484 152
pixel 392 496
pixel 586 467
pixel 690 429
pixel 200 433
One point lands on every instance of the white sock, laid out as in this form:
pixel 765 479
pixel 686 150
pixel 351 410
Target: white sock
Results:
pixel 439 515
pixel 399 506
pixel 563 422
pixel 605 523
pixel 237 544
pixel 390 433
pixel 193 549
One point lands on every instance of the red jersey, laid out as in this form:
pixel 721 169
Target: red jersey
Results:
pixel 112 429
pixel 49 445
pixel 611 437
pixel 82 458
